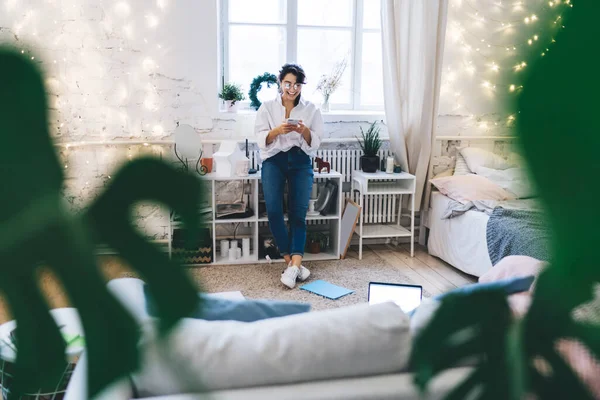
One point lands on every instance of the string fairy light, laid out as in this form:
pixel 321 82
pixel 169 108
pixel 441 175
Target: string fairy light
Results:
pixel 476 49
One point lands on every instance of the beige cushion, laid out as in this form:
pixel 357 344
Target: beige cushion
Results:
pixel 514 267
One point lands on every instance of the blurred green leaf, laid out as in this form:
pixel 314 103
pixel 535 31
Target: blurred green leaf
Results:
pixel 557 127
pixel 36 228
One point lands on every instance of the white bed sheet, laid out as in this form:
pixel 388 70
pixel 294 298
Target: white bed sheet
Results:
pixel 460 241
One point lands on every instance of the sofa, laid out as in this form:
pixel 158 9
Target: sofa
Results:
pixel 345 363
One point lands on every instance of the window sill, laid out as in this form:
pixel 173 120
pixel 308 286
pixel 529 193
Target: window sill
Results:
pixel 328 117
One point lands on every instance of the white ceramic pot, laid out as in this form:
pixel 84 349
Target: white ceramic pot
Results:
pixel 231 106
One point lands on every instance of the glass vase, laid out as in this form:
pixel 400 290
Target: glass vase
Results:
pixel 325 104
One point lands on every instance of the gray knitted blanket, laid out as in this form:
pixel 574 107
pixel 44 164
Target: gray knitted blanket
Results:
pixel 517 232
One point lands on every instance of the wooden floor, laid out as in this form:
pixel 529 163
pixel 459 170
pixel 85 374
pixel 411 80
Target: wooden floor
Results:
pixel 435 275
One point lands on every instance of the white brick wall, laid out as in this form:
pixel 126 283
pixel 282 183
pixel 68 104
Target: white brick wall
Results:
pixel 129 70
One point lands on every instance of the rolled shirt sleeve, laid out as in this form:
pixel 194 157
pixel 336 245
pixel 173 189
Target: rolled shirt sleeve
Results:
pixel 262 127
pixel 317 128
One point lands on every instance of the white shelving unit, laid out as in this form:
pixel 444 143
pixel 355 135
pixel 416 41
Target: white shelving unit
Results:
pixel 253 223
pixel 378 183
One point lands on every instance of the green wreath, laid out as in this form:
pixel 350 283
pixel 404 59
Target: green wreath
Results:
pixel 256 85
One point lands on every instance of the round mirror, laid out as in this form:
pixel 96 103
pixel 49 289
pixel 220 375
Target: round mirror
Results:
pixel 188 142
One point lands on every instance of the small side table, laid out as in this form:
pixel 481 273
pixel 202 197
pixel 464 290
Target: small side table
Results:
pixel 68 319
pixel 381 183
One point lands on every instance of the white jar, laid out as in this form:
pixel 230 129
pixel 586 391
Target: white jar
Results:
pixel 389 168
pixel 232 254
pixel 246 247
pixel 224 248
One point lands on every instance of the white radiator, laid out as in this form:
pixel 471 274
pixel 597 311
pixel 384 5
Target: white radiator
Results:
pixel 377 208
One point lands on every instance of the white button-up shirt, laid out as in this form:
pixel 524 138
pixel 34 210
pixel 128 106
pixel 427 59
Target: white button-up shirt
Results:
pixel 271 114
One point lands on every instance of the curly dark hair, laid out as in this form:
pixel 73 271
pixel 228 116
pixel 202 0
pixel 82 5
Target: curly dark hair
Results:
pixel 295 70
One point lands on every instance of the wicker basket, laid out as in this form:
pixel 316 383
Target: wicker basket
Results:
pixel 58 393
pixel 200 253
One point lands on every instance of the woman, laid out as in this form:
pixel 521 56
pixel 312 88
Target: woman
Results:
pixel 286 150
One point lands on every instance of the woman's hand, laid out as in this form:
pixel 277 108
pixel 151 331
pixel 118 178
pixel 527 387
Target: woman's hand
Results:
pixel 282 129
pixel 301 128
pixel 304 131
pixel 285 128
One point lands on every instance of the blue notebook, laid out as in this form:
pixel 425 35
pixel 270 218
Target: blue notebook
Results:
pixel 326 289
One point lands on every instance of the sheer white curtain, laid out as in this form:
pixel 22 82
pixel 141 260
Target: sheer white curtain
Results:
pixel 413 33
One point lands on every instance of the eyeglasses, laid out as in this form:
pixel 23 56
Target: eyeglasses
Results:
pixel 288 85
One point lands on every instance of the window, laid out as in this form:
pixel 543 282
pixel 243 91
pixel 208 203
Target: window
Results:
pixel 261 35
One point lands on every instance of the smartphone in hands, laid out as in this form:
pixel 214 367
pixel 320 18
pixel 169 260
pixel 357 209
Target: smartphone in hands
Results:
pixel 292 121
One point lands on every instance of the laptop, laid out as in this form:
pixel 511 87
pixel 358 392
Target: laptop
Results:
pixel 407 297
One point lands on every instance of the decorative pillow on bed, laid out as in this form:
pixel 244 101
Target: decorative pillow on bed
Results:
pixel 514 180
pixel 466 188
pixel 461 167
pixel 444 174
pixel 476 157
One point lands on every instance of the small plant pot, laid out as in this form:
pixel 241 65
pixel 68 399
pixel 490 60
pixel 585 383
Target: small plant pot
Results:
pixel 369 163
pixel 231 106
pixel 314 247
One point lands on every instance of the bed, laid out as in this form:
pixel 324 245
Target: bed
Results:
pixel 460 241
pixel 474 235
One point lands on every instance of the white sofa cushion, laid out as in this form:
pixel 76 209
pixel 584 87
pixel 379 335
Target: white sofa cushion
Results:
pixel 338 343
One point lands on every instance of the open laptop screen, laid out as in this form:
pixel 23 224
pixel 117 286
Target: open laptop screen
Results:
pixel 407 297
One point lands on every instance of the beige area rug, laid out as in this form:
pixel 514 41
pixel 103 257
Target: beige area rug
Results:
pixel 261 281
pixel 254 281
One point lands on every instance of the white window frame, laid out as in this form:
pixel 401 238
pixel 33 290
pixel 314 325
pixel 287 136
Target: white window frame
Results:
pixel 291 27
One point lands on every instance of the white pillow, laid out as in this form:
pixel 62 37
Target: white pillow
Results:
pixel 345 342
pixel 514 180
pixel 461 167
pixel 476 157
pixel 466 188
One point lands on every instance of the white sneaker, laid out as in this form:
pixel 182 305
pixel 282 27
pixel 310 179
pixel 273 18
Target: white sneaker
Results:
pixel 288 277
pixel 304 273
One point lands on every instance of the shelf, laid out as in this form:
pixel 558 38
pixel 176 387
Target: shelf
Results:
pixel 383 231
pixel 318 175
pixel 380 175
pixel 253 259
pixel 327 255
pixel 320 256
pixel 178 224
pixel 308 218
pixel 382 188
pixel 332 174
pixel 235 220
pixel 213 177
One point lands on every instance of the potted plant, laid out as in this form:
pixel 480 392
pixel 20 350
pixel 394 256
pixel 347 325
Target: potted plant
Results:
pixel 371 143
pixel 231 94
pixel 316 242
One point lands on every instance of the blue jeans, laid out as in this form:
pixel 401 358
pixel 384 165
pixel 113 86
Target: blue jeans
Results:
pixel 295 167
